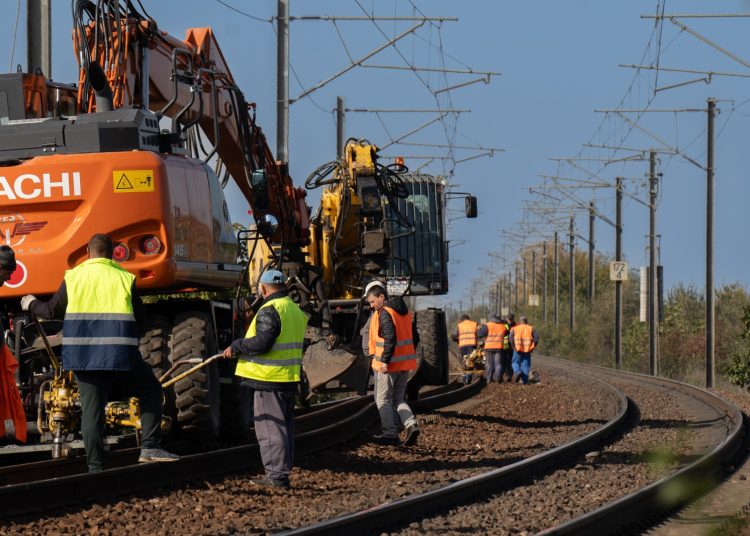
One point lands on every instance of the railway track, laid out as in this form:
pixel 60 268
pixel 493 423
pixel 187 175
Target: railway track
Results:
pixel 414 506
pixel 630 513
pixel 61 482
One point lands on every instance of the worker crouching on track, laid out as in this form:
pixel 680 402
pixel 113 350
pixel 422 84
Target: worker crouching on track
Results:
pixel 523 339
pixel 392 342
pixel 466 335
pixel 497 332
pixel 99 306
pixel 270 361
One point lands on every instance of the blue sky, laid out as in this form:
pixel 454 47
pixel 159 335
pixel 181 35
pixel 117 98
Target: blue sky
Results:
pixel 559 60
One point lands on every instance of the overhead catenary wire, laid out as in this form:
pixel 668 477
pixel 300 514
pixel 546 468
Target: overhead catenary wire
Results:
pixel 15 33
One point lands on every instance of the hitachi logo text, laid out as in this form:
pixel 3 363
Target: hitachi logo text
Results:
pixel 30 186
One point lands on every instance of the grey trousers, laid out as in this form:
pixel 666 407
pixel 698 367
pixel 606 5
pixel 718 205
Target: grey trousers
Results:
pixel 94 387
pixel 390 398
pixel 274 427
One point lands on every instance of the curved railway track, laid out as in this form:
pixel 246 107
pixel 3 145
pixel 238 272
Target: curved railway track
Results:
pixel 640 510
pixel 24 487
pixel 631 513
pixel 414 506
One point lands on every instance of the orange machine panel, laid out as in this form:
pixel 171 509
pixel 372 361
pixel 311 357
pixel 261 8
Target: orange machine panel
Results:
pixel 50 206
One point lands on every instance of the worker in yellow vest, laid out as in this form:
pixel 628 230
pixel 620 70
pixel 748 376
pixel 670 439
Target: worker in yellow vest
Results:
pixel 467 334
pixel 270 364
pixel 523 339
pixel 497 332
pixel 100 307
pixel 392 342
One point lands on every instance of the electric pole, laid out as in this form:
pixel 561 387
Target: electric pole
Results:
pixel 572 283
pixel 592 219
pixel 653 315
pixel 516 289
pixel 340 118
pixel 618 283
pixel 533 271
pixel 39 37
pixel 282 81
pixel 557 280
pixel 710 298
pixel 544 274
pixel 524 298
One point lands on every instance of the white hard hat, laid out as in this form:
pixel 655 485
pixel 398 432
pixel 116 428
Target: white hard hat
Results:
pixel 373 284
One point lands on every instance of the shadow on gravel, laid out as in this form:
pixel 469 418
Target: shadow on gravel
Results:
pixel 672 424
pixel 365 465
pixel 520 424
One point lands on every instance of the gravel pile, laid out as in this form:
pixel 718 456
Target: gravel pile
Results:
pixel 508 423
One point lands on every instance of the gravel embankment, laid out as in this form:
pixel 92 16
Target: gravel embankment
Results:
pixel 509 423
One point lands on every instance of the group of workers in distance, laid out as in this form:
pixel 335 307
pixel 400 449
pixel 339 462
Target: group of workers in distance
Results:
pixel 507 346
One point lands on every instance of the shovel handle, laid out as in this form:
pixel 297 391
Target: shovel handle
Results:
pixel 187 372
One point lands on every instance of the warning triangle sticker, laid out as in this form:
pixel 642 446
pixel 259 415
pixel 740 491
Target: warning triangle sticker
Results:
pixel 124 183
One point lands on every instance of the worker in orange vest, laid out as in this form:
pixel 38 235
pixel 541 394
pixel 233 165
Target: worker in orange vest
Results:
pixel 392 342
pixel 466 335
pixel 12 415
pixel 497 332
pixel 523 339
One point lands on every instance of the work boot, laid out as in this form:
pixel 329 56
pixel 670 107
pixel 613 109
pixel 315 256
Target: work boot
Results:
pixel 269 482
pixel 412 433
pixel 516 376
pixel 157 455
pixel 381 439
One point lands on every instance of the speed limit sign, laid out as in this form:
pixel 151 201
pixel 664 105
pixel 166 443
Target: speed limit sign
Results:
pixel 618 271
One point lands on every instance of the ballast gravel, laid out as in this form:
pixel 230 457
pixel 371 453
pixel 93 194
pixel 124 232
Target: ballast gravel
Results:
pixel 505 423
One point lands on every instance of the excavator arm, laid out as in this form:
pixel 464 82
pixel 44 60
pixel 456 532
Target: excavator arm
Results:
pixel 188 81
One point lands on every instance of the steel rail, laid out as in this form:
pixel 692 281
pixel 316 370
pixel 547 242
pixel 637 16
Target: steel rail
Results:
pixel 415 506
pixel 310 418
pixel 14 455
pixel 639 510
pixel 35 496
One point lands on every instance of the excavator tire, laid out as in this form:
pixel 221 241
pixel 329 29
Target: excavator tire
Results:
pixel 432 351
pixel 154 344
pixel 197 396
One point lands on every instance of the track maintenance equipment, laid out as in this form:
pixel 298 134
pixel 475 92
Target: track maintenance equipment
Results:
pixel 141 148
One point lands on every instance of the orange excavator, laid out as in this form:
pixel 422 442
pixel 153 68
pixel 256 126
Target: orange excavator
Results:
pixel 139 148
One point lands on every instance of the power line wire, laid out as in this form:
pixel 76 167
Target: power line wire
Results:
pixel 248 15
pixel 15 33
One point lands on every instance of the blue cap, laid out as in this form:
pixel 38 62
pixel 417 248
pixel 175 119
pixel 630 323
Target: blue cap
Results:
pixel 272 277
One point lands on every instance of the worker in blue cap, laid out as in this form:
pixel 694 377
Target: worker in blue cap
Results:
pixel 270 364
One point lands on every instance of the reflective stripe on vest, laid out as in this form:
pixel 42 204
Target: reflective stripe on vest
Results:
pixel 496 333
pixel 283 362
pixel 404 355
pixel 467 333
pixel 523 338
pixel 99 330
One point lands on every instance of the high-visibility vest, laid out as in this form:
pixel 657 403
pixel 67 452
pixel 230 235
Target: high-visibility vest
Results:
pixel 404 355
pixel 467 333
pixel 506 337
pixel 283 362
pixel 496 333
pixel 523 338
pixel 99 330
